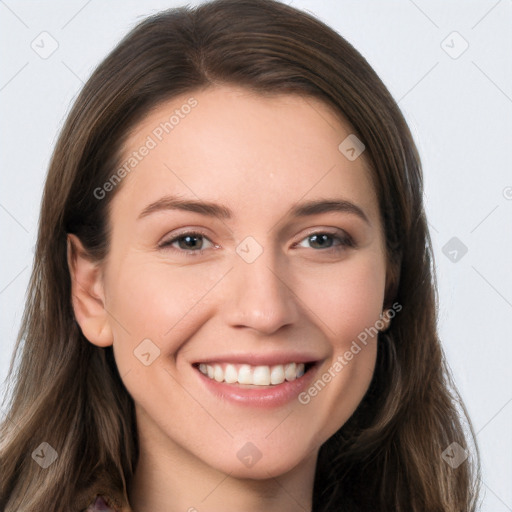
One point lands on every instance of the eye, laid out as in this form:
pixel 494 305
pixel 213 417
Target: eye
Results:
pixel 325 241
pixel 190 242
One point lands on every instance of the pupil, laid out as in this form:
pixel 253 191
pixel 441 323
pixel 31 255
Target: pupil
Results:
pixel 320 239
pixel 188 239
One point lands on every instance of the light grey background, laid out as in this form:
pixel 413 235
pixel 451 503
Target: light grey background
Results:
pixel 458 105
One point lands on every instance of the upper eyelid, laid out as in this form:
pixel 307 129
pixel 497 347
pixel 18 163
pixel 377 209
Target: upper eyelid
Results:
pixel 176 237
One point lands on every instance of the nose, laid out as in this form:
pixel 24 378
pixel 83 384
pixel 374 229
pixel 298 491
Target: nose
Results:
pixel 261 295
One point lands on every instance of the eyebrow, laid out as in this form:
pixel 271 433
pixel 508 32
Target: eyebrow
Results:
pixel 305 209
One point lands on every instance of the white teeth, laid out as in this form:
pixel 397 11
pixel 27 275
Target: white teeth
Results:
pixel 290 372
pixel 255 375
pixel 261 376
pixel 245 374
pixel 277 374
pixel 230 374
pixel 218 373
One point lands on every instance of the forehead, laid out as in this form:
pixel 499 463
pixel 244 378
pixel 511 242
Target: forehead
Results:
pixel 255 153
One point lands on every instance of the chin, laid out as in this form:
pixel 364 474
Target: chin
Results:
pixel 259 463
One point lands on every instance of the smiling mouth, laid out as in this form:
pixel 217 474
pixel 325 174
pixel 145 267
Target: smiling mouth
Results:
pixel 247 374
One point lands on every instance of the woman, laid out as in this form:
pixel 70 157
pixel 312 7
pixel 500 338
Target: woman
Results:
pixel 233 305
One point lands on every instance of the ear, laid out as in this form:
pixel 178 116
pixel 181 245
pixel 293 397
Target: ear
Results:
pixel 87 294
pixel 386 320
pixel 393 272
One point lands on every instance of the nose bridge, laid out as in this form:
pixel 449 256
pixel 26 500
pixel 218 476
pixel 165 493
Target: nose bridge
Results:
pixel 261 296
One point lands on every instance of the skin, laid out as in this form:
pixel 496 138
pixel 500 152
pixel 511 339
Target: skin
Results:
pixel 258 156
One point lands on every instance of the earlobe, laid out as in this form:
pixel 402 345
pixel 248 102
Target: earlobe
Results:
pixel 87 294
pixel 385 319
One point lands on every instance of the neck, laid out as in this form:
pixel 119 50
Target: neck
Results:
pixel 174 480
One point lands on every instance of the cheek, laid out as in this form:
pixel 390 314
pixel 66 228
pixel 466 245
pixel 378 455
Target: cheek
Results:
pixel 150 300
pixel 344 298
pixel 348 304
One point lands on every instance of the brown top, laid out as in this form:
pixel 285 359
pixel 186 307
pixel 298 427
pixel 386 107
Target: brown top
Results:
pixel 102 495
pixel 101 504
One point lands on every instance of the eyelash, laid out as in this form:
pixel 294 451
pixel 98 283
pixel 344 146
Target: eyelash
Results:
pixel 345 241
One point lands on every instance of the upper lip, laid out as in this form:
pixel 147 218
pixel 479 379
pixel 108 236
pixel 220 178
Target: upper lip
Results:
pixel 260 359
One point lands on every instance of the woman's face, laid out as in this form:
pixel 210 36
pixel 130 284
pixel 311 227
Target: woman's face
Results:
pixel 281 269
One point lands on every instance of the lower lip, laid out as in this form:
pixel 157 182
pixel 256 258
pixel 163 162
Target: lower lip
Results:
pixel 261 396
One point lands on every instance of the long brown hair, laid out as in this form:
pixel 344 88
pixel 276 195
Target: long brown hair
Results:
pixel 68 393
